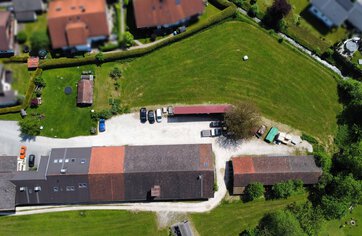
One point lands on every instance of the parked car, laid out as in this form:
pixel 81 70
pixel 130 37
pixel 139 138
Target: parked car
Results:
pixel 31 160
pixel 260 131
pixel 26 49
pixel 218 123
pixel 151 116
pixel 211 133
pixel 159 115
pixel 143 115
pixel 179 30
pixel 102 125
pixel 22 152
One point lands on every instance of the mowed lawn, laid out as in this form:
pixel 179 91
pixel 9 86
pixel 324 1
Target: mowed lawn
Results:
pixel 285 84
pixel 75 223
pixel 232 218
pixel 63 118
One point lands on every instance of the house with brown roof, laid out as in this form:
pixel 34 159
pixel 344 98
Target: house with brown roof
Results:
pixel 77 23
pixel 165 13
pixel 6 31
pixel 270 170
pixel 118 174
pixel 85 92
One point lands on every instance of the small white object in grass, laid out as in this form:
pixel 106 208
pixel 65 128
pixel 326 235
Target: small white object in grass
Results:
pixel 360 61
pixel 92 110
pixel 41 127
pixel 245 58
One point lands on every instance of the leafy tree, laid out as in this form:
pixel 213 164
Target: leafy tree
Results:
pixel 276 13
pixel 39 40
pixel 254 191
pixel 100 57
pixel 310 218
pixel 323 160
pixel 279 223
pixel 253 11
pixel 242 120
pixel 21 37
pixel 283 189
pixel 334 208
pixel 127 39
pixel 40 82
pixel 30 126
pixel 349 160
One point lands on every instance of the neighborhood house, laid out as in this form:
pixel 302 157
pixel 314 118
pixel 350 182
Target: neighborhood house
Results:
pixel 26 10
pixel 85 92
pixel 165 13
pixel 77 23
pixel 335 12
pixel 6 31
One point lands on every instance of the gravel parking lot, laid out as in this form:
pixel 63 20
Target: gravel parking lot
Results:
pixel 127 130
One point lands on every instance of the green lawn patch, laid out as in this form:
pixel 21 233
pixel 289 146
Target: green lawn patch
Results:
pixel 75 223
pixel 41 24
pixel 63 118
pixel 231 218
pixel 335 227
pixel 285 84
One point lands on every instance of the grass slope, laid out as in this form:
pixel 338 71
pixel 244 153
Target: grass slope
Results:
pixel 73 223
pixel 286 85
pixel 234 217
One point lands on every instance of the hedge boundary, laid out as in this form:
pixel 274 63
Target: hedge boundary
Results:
pixel 27 98
pixel 230 10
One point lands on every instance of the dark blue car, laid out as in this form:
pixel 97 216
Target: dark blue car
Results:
pixel 102 125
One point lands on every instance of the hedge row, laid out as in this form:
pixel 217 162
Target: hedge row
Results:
pixel 27 98
pixel 112 56
pixel 16 59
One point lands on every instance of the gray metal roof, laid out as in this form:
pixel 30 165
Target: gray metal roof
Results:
pixel 70 160
pixel 182 228
pixel 339 11
pixel 158 158
pixel 28 5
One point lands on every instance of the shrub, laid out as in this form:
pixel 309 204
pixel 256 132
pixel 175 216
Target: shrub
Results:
pixel 40 82
pixel 100 57
pixel 30 126
pixel 309 139
pixel 116 73
pixel 253 11
pixel 127 39
pixel 21 37
pixel 280 40
pixel 323 160
pixel 253 191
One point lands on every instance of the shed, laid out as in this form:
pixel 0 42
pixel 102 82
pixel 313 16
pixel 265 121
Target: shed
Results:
pixel 85 92
pixel 271 134
pixel 270 170
pixel 202 109
pixel 33 63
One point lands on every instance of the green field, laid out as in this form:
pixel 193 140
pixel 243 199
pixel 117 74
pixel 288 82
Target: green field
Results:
pixel 74 223
pixel 234 217
pixel 286 85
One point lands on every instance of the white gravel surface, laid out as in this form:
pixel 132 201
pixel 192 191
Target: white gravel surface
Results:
pixel 127 130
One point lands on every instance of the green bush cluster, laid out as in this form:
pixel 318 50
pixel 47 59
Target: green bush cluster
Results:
pixel 286 189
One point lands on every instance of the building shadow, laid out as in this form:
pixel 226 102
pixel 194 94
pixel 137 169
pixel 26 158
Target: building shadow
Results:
pixel 228 177
pixel 315 22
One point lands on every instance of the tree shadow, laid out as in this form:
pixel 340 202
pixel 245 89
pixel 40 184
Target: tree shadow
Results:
pixel 228 143
pixel 193 118
pixel 26 137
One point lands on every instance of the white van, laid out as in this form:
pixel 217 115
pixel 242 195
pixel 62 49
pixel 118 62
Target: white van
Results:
pixel 159 115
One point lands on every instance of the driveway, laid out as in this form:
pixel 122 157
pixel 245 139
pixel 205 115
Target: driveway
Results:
pixel 127 130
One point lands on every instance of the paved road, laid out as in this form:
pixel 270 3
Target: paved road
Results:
pixel 127 130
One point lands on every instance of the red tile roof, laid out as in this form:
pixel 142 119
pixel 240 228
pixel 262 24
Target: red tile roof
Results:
pixel 4 38
pixel 152 13
pixel 204 109
pixel 71 22
pixel 107 160
pixel 273 169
